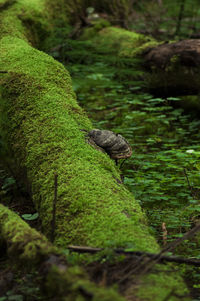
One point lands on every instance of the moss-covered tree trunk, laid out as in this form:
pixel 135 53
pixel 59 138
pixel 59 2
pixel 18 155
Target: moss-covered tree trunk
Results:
pixel 27 247
pixel 42 135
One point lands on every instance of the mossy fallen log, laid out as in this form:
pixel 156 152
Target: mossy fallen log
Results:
pixel 42 127
pixel 121 42
pixel 32 250
pixel 42 133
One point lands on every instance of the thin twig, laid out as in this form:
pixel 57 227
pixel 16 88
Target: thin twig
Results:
pixel 53 222
pixel 171 246
pixel 134 269
pixel 122 163
pixel 188 182
pixel 151 256
pixel 164 234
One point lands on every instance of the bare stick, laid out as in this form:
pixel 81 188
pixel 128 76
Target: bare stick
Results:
pixel 164 235
pixel 146 261
pixel 171 246
pixel 188 182
pixel 163 258
pixel 177 242
pixel 53 222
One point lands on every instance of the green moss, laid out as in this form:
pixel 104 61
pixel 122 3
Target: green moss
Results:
pixel 20 12
pixel 22 241
pixel 91 32
pixel 28 247
pixel 32 20
pixel 75 281
pixel 161 285
pixel 124 42
pixel 42 127
pixel 175 59
pixel 45 136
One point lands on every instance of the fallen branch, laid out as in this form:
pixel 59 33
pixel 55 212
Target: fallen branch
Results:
pixel 53 222
pixel 152 257
pixel 177 259
pixel 188 182
pixel 186 236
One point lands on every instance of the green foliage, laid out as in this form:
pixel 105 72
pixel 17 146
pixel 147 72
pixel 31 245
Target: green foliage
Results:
pixel 26 287
pixel 161 19
pixel 11 297
pixel 30 217
pixel 163 172
pixel 50 141
pixel 8 184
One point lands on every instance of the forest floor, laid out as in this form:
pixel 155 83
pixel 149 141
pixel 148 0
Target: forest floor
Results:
pixel 163 173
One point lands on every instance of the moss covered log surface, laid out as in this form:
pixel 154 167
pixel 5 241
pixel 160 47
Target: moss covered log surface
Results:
pixel 34 250
pixel 122 42
pixel 41 129
pixel 42 124
pixel 21 239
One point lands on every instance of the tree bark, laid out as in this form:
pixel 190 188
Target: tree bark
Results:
pixel 174 68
